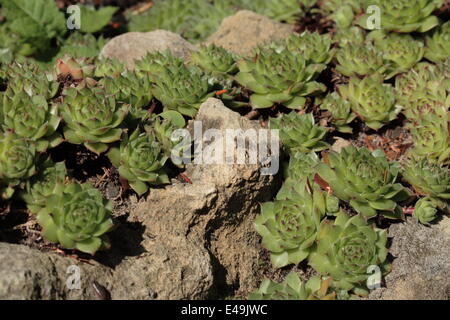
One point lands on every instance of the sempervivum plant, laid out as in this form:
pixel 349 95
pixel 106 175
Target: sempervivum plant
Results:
pixel 92 117
pixel 298 132
pixel 314 47
pixel 366 180
pixel 372 100
pixel 182 89
pixel 359 59
pixel 302 165
pixel 17 161
pixel 438 44
pixel 77 217
pixel 109 68
pixel 214 59
pixel 342 12
pixel 140 160
pixel 293 288
pixel 289 225
pixel 403 16
pixel 280 10
pixel 345 250
pixel 31 117
pixel 340 111
pixel 49 181
pixel 155 63
pixel 279 76
pixel 77 69
pixel 400 51
pixel 425 210
pixel 431 137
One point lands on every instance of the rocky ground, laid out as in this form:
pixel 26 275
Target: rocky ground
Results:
pixel 194 239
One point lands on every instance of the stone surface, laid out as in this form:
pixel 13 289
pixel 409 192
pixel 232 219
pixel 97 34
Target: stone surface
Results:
pixel 421 268
pixel 245 30
pixel 133 46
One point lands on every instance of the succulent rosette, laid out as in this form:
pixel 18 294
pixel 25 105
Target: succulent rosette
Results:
pixel 302 165
pixel 279 76
pixel 342 12
pixel 293 288
pixel 109 68
pixel 140 160
pixel 403 16
pixel 92 117
pixel 289 225
pixel 17 161
pixel 372 100
pixel 49 181
pixel 438 44
pixel 315 47
pixel 298 132
pixel 366 180
pixel 340 110
pixel 346 248
pixel 155 63
pixel 78 69
pixel 214 59
pixel 77 217
pixel 359 59
pixel 425 210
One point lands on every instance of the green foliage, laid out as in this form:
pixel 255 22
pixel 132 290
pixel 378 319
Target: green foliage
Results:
pixel 366 180
pixel 372 100
pixel 293 288
pixel 302 165
pixel 92 117
pixel 425 210
pixel 92 20
pixel 298 132
pixel 359 59
pixel 79 45
pixel 214 59
pixel 346 248
pixel 340 111
pixel 314 47
pixel 109 68
pixel 281 10
pixel 342 12
pixel 77 217
pixel 279 76
pixel 140 160
pixel 438 44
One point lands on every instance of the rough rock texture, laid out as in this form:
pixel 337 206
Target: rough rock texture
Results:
pixel 27 273
pixel 245 30
pixel 421 269
pixel 133 46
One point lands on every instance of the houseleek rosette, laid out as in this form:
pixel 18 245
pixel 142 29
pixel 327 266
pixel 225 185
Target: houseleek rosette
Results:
pixel 49 181
pixel 140 160
pixel 214 59
pixel 77 217
pixel 92 117
pixel 109 68
pixel 315 47
pixel 340 110
pixel 438 44
pixel 366 180
pixel 403 16
pixel 359 59
pixel 293 288
pixel 346 248
pixel 279 76
pixel 289 225
pixel 298 132
pixel 302 165
pixel 372 100
pixel 425 210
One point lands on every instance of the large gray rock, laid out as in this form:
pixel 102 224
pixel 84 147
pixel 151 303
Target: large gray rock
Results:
pixel 133 46
pixel 421 268
pixel 245 30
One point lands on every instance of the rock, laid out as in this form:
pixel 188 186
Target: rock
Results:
pixel 27 273
pixel 421 269
pixel 245 30
pixel 133 46
pixel 215 213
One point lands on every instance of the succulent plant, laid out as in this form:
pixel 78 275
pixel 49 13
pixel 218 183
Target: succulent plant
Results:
pixel 425 210
pixel 346 248
pixel 140 160
pixel 31 117
pixel 293 288
pixel 109 68
pixel 182 89
pixel 49 181
pixel 353 35
pixel 403 16
pixel 400 51
pixel 298 132
pixel 79 45
pixel 280 10
pixel 372 101
pixel 340 111
pixel 438 44
pixel 359 59
pixel 77 217
pixel 279 77
pixel 214 59
pixel 342 12
pixel 366 180
pixel 77 69
pixel 315 47
pixel 92 118
pixel 289 225
pixel 155 63
pixel 17 161
pixel 302 165
pixel 431 137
